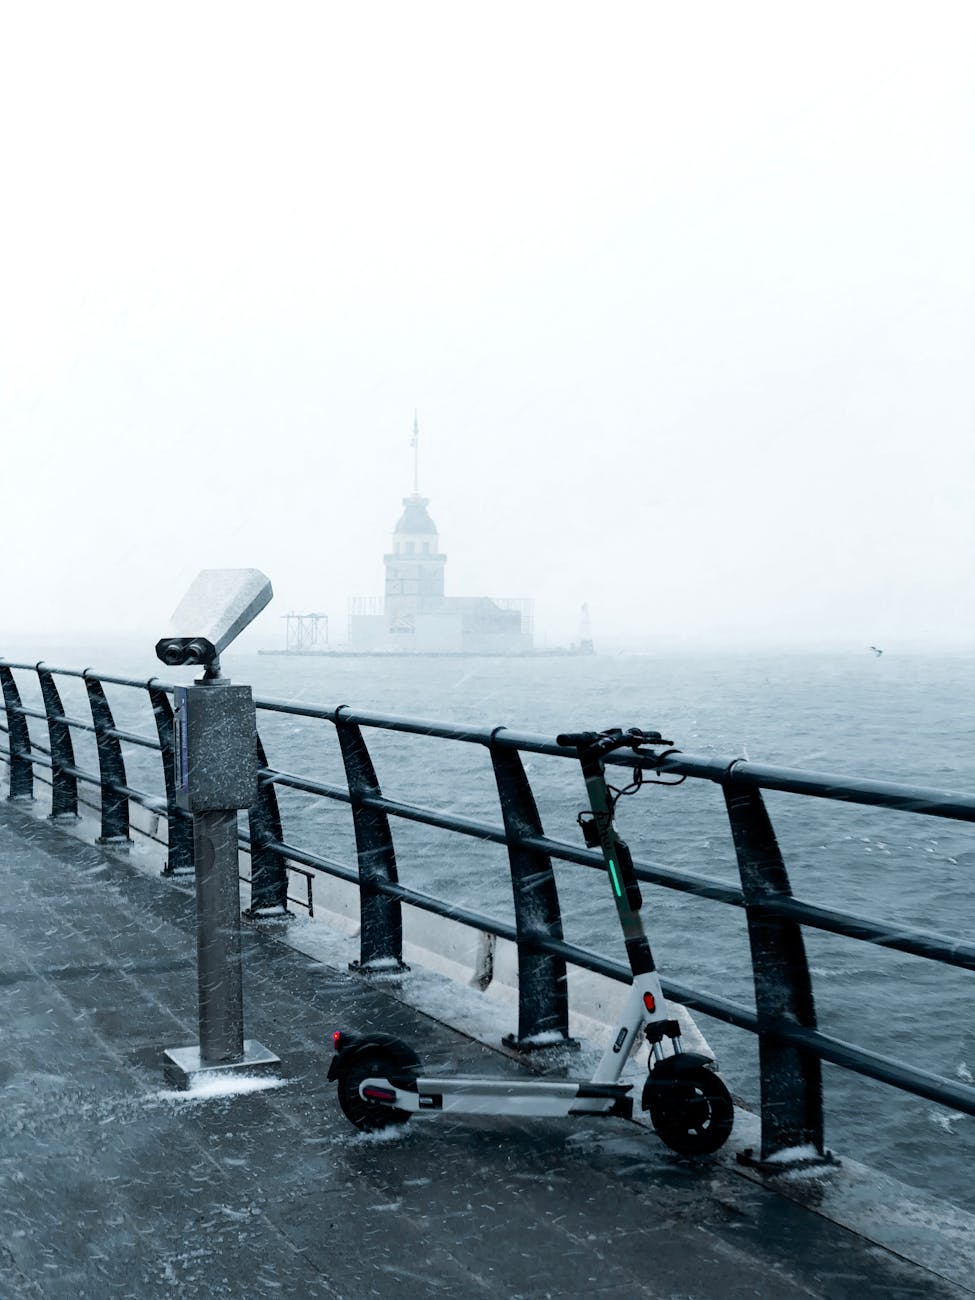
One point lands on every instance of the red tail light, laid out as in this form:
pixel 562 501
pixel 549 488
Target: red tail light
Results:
pixel 650 1002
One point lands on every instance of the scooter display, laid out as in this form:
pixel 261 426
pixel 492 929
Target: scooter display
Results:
pixel 379 1077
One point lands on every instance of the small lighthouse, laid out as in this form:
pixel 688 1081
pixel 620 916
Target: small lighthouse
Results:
pixel 415 565
pixel 415 616
pixel 585 632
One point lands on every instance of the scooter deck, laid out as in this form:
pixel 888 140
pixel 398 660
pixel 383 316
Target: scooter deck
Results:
pixel 470 1095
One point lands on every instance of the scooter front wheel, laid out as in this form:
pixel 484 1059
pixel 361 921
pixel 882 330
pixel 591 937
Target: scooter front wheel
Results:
pixel 693 1113
pixel 369 1116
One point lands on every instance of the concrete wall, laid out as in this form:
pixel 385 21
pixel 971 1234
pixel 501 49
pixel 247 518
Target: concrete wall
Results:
pixel 439 633
pixel 368 632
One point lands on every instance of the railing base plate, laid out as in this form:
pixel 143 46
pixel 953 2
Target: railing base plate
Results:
pixel 390 966
pixel 546 1044
pixel 178 873
pixel 787 1162
pixel 183 1067
pixel 267 914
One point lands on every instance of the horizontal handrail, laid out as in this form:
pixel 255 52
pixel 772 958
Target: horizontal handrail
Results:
pixel 337 792
pixel 927 800
pixel 883 1068
pixel 79 724
pixel 767 776
pixel 25 712
pixel 919 943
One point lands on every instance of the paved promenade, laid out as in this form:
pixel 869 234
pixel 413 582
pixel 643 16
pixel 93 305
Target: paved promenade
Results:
pixel 112 1186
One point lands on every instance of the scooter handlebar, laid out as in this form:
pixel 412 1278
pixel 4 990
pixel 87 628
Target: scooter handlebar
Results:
pixel 612 738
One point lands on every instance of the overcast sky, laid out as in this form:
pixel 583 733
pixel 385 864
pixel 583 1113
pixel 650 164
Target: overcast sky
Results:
pixel 683 294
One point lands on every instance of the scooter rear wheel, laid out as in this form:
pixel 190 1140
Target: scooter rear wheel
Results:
pixel 369 1116
pixel 693 1114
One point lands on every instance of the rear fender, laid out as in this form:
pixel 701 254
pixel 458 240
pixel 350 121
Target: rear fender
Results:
pixel 405 1061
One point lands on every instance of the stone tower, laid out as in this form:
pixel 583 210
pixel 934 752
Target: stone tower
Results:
pixel 414 567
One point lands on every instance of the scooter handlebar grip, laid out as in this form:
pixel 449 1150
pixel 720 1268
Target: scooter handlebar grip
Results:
pixel 573 739
pixel 638 735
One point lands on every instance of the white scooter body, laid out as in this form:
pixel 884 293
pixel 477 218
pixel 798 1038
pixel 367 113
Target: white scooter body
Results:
pixel 473 1095
pixel 690 1107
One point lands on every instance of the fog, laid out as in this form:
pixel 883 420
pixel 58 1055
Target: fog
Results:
pixel 682 295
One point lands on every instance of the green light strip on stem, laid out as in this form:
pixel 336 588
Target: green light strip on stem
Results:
pixel 617 887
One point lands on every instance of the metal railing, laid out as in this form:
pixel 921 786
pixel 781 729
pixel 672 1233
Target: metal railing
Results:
pixel 791 1048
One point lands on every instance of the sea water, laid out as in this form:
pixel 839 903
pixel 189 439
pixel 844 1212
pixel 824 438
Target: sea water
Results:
pixel 900 718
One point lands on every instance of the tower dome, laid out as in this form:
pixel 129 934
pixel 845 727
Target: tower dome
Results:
pixel 415 519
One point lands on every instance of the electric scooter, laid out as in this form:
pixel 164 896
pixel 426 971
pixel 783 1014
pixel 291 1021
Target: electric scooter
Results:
pixel 379 1079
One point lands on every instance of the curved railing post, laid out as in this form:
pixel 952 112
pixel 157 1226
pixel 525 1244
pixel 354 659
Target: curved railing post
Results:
pixel 791 1078
pixel 269 871
pixel 111 766
pixel 381 933
pixel 543 1003
pixel 179 827
pixel 18 734
pixel 64 784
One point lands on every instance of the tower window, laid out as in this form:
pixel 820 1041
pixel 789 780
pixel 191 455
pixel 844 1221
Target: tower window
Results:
pixel 409 548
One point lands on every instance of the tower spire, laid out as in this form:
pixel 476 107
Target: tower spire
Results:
pixel 415 444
